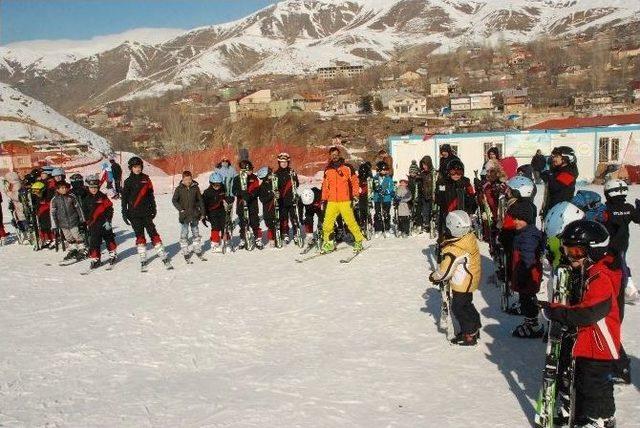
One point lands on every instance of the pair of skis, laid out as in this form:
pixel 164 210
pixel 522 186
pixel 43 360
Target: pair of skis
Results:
pixel 552 375
pixel 249 238
pixel 347 259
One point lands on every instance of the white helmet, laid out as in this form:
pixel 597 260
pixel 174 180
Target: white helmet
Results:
pixel 459 223
pixel 521 186
pixel 615 187
pixel 306 195
pixel 559 216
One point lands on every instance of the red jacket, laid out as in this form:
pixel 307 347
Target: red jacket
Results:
pixel 597 316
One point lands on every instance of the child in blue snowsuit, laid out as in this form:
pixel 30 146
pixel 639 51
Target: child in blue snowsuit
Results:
pixel 383 194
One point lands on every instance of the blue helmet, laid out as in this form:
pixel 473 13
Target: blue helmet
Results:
pixel 57 172
pixel 263 172
pixel 215 178
pixel 47 169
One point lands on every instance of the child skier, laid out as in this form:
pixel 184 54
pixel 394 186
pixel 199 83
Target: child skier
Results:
pixel 98 212
pixel 139 210
pixel 425 182
pixel 67 216
pixel 287 199
pixel 382 198
pixel 248 197
pixel 596 317
pixel 561 179
pixel 526 268
pixel 269 199
pixel 401 202
pixel 454 192
pixel 216 203
pixel 493 189
pixel 187 199
pixel 311 198
pixel 42 215
pixel 363 213
pixel 461 266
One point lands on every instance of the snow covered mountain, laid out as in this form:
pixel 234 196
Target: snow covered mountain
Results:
pixel 297 36
pixel 23 118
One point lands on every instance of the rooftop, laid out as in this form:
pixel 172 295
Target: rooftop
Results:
pixel 586 122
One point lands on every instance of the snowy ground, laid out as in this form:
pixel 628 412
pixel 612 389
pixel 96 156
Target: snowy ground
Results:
pixel 256 340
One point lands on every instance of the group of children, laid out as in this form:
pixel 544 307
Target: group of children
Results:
pixel 580 232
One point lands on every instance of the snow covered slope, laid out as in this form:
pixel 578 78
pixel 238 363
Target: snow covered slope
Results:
pixel 256 340
pixel 297 36
pixel 22 117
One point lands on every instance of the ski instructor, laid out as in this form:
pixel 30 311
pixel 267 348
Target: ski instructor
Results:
pixel 339 187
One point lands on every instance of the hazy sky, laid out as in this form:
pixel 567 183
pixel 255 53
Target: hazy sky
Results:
pixel 82 19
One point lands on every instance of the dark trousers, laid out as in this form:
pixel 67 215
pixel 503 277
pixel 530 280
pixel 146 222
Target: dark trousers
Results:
pixel 425 213
pixel 528 305
pixel 142 224
pixel 465 312
pixel 594 389
pixel 403 224
pixel 288 214
pixel 97 234
pixel 254 218
pixel 382 217
pixel 362 213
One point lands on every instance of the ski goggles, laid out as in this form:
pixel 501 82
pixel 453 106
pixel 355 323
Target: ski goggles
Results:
pixel 574 253
pixel 456 172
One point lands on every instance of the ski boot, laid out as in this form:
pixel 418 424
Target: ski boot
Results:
pixel 95 264
pixel 259 244
pixel 357 246
pixel 597 423
pixel 529 329
pixel 328 246
pixel 72 254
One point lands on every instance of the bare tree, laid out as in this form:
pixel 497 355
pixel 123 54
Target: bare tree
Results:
pixel 181 136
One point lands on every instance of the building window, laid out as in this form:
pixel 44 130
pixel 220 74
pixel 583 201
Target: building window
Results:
pixel 487 146
pixel 603 150
pixel 615 149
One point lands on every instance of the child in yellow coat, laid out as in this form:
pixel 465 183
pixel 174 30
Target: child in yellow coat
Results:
pixel 461 267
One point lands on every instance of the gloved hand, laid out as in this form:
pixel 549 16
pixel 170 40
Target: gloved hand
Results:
pixel 107 226
pixel 204 221
pixel 125 218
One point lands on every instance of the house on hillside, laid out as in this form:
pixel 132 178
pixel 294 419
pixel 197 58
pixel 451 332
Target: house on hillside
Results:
pixel 515 100
pixel 408 104
pixel 409 76
pixel 308 101
pixel 598 100
pixel 255 104
pixel 472 102
pixel 439 89
pixel 635 90
pixel 342 104
pixel 340 71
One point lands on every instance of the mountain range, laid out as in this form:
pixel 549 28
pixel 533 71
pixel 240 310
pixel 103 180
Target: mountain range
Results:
pixel 289 37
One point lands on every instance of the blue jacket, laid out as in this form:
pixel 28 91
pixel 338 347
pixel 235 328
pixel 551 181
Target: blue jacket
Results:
pixel 383 189
pixel 528 245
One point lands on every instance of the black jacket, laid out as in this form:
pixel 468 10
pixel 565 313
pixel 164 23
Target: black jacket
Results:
pixel 137 197
pixel 538 162
pixel 249 195
pixel 97 209
pixel 561 186
pixel 455 195
pixel 285 185
pixel 116 171
pixel 618 216
pixel 213 200
pixel 188 202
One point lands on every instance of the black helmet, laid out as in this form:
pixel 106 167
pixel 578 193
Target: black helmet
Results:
pixel 246 165
pixel 455 164
pixel 567 153
pixel 135 161
pixel 382 166
pixel 588 234
pixel 75 178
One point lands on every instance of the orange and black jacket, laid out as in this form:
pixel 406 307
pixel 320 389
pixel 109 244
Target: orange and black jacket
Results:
pixel 137 197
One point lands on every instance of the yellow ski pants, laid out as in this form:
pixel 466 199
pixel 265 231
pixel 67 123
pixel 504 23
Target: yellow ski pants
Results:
pixel 346 211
